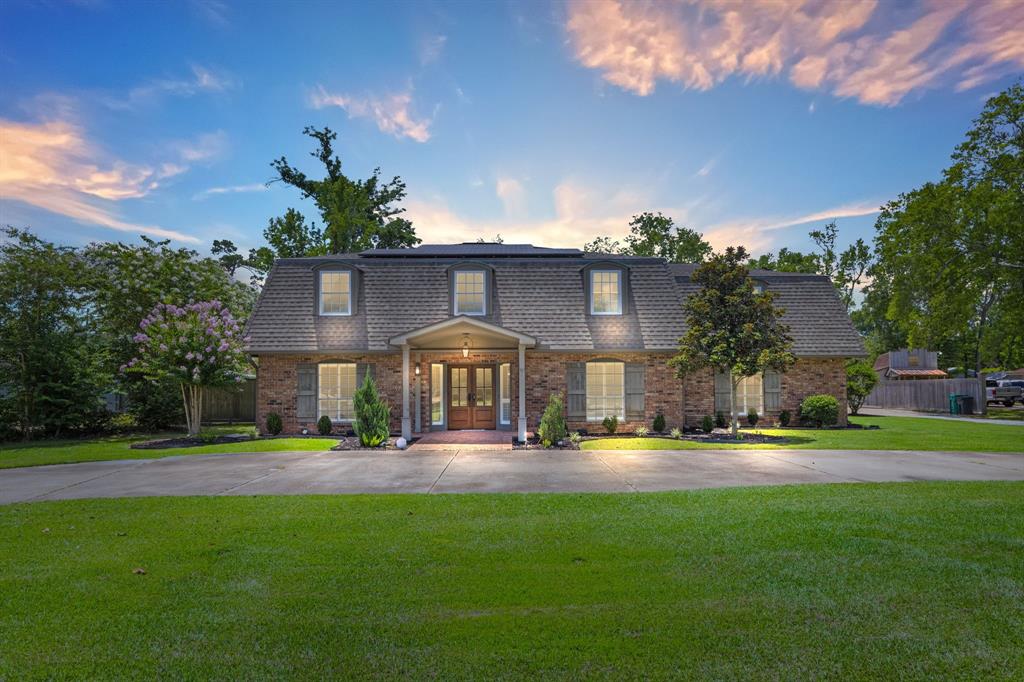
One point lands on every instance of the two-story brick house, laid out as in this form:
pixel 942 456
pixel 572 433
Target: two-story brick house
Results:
pixel 477 336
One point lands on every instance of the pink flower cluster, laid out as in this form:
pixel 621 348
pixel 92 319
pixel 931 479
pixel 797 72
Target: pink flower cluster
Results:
pixel 196 344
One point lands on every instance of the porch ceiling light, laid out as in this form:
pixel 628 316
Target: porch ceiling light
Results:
pixel 466 345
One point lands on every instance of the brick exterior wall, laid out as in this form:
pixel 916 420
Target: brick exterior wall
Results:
pixel 683 403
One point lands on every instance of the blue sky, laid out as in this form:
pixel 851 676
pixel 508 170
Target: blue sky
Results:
pixel 548 123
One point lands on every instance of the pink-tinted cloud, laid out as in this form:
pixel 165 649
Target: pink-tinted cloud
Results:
pixel 876 53
pixel 391 113
pixel 52 166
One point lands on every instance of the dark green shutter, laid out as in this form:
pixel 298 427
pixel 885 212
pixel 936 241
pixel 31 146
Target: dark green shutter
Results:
pixel 634 391
pixel 305 407
pixel 576 397
pixel 723 386
pixel 772 390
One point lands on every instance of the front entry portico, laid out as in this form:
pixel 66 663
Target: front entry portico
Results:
pixel 471 386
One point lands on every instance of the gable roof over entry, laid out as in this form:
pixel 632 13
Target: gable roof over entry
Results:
pixel 448 334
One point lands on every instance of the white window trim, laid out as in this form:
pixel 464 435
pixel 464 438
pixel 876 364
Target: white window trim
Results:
pixel 319 395
pixel 439 422
pixel 586 395
pixel 320 293
pixel 501 389
pixel 618 274
pixel 455 293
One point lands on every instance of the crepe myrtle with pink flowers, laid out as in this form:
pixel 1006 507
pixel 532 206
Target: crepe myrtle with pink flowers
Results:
pixel 198 345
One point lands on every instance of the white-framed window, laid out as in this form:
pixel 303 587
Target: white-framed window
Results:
pixel 505 392
pixel 605 292
pixel 335 292
pixel 750 395
pixel 606 390
pixel 337 384
pixel 470 292
pixel 436 394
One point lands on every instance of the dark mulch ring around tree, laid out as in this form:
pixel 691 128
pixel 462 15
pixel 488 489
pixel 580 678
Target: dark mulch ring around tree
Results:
pixel 188 442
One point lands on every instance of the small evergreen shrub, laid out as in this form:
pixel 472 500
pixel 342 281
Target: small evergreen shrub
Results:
pixel 274 424
pixel 752 417
pixel 373 415
pixel 552 423
pixel 676 433
pixel 610 424
pixel 324 425
pixel 784 418
pixel 707 424
pixel 720 421
pixel 641 431
pixel 575 437
pixel 208 437
pixel 820 410
pixel 659 423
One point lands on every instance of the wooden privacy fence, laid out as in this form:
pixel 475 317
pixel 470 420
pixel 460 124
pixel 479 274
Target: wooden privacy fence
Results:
pixel 230 404
pixel 928 395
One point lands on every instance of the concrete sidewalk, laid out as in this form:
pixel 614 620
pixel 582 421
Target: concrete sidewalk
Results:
pixel 295 473
pixel 879 412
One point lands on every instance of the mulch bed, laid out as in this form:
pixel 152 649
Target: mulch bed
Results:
pixel 352 443
pixel 186 442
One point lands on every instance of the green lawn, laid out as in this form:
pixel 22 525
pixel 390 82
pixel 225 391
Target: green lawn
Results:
pixel 1016 414
pixel 894 433
pixel 905 580
pixel 117 447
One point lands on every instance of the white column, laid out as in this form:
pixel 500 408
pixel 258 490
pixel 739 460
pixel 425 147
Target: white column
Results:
pixel 522 393
pixel 406 422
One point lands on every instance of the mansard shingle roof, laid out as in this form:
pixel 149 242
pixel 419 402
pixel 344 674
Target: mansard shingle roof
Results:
pixel 538 292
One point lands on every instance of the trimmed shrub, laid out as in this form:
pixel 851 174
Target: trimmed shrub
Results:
pixel 552 423
pixel 676 433
pixel 707 424
pixel 610 424
pixel 752 417
pixel 820 410
pixel 659 423
pixel 784 418
pixel 373 415
pixel 274 424
pixel 720 421
pixel 641 431
pixel 324 425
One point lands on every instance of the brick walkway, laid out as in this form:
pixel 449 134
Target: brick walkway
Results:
pixel 464 440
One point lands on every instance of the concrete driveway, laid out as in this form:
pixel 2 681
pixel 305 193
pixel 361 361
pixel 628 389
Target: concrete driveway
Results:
pixel 471 471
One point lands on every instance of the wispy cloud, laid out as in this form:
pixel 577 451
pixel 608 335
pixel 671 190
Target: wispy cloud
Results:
pixel 430 48
pixel 512 195
pixel 828 44
pixel 581 213
pixel 233 189
pixel 757 233
pixel 391 112
pixel 706 169
pixel 52 166
pixel 201 80
pixel 204 147
pixel 215 12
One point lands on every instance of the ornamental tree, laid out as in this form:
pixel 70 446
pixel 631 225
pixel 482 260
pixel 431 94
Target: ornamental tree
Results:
pixel 731 328
pixel 197 346
pixel 860 379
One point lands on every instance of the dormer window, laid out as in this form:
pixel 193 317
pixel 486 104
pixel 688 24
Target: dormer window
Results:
pixel 335 292
pixel 470 292
pixel 605 292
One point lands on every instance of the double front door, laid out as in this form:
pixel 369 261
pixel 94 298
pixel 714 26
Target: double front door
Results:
pixel 471 393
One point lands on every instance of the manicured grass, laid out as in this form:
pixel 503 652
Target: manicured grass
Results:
pixel 905 580
pixel 117 447
pixel 894 433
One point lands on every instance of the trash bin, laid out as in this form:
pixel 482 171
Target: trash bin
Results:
pixel 965 404
pixel 954 405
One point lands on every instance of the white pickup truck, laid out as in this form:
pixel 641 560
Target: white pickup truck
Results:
pixel 1005 392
